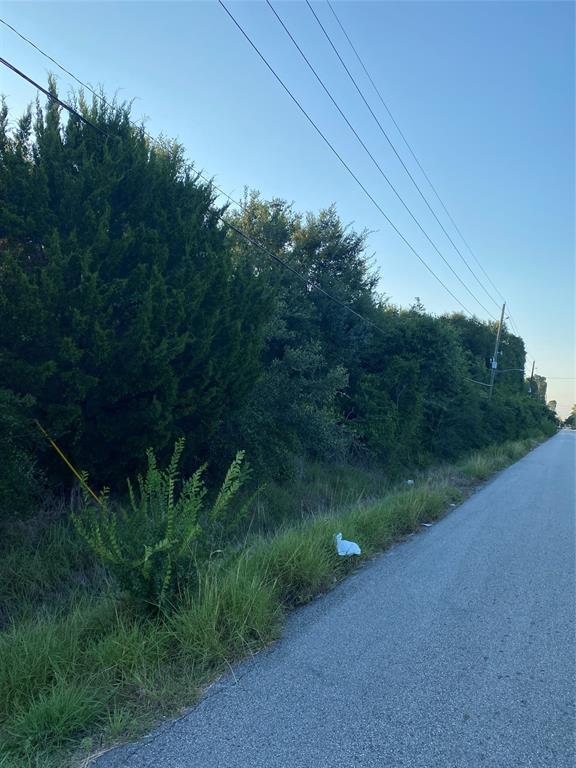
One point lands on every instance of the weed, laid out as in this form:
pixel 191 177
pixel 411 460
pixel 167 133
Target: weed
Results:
pixel 95 665
pixel 148 546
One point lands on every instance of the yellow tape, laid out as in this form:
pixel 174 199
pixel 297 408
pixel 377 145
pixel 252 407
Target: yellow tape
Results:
pixel 68 463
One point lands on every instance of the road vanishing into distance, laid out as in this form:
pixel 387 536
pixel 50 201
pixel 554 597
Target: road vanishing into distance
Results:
pixel 455 649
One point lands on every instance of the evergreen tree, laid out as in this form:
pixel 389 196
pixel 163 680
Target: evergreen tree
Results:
pixel 122 310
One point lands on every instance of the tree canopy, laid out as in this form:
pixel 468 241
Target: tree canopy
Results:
pixel 131 314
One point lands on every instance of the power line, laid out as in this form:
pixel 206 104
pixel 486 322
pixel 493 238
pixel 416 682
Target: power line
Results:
pixel 52 96
pixel 376 163
pixel 205 178
pixel 342 161
pixel 30 42
pixel 399 157
pixel 410 149
pixel 385 105
pixel 210 181
pixel 253 241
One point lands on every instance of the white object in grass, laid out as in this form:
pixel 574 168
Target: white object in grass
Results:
pixel 346 548
pixel 409 483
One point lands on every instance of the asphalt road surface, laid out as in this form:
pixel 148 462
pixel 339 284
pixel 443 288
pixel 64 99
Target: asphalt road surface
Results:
pixel 455 649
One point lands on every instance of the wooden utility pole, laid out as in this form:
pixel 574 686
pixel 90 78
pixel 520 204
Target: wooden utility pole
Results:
pixel 494 364
pixel 531 387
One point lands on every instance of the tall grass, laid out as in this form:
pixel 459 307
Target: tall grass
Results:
pixel 480 465
pixel 97 667
pixel 45 564
pixel 316 488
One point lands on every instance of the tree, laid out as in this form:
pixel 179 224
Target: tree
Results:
pixel 122 310
pixel 293 409
pixel 540 386
pixel 570 421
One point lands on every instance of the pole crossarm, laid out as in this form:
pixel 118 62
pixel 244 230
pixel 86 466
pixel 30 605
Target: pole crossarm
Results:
pixel 482 383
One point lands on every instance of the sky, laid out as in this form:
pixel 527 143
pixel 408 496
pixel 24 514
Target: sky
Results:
pixel 483 91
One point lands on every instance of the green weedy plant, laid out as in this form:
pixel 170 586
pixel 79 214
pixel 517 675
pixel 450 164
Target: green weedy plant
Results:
pixel 147 545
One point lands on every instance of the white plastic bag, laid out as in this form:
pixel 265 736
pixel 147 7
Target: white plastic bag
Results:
pixel 346 548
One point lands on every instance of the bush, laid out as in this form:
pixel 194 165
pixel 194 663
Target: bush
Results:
pixel 149 545
pixel 20 479
pixel 97 665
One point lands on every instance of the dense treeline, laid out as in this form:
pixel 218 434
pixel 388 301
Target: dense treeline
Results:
pixel 131 315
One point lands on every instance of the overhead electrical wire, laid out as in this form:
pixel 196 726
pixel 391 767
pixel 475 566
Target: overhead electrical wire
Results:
pixel 99 96
pixel 374 160
pixel 46 55
pixel 413 154
pixel 253 241
pixel 410 149
pixel 50 95
pixel 91 90
pixel 341 159
pixel 398 156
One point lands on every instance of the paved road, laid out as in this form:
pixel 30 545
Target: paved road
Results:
pixel 453 650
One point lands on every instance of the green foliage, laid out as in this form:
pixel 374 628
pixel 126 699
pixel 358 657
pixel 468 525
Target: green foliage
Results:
pixel 480 465
pixel 44 561
pixel 315 488
pixel 333 387
pixel 300 564
pixel 133 316
pixel 129 316
pixel 570 421
pixel 148 545
pixel 54 717
pixel 122 310
pixel 294 408
pixel 97 666
pixel 233 611
pixel 21 481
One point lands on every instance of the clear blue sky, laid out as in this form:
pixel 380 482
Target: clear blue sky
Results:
pixel 484 91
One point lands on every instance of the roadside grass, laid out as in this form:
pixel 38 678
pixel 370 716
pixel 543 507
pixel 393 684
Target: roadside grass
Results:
pixel 45 564
pixel 85 672
pixel 480 465
pixel 313 488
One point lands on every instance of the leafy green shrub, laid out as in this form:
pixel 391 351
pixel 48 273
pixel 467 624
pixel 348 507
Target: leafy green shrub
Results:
pixel 148 545
pixel 95 665
pixel 102 282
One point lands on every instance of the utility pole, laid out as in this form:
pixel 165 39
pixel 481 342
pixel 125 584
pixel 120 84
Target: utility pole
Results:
pixel 494 365
pixel 531 387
